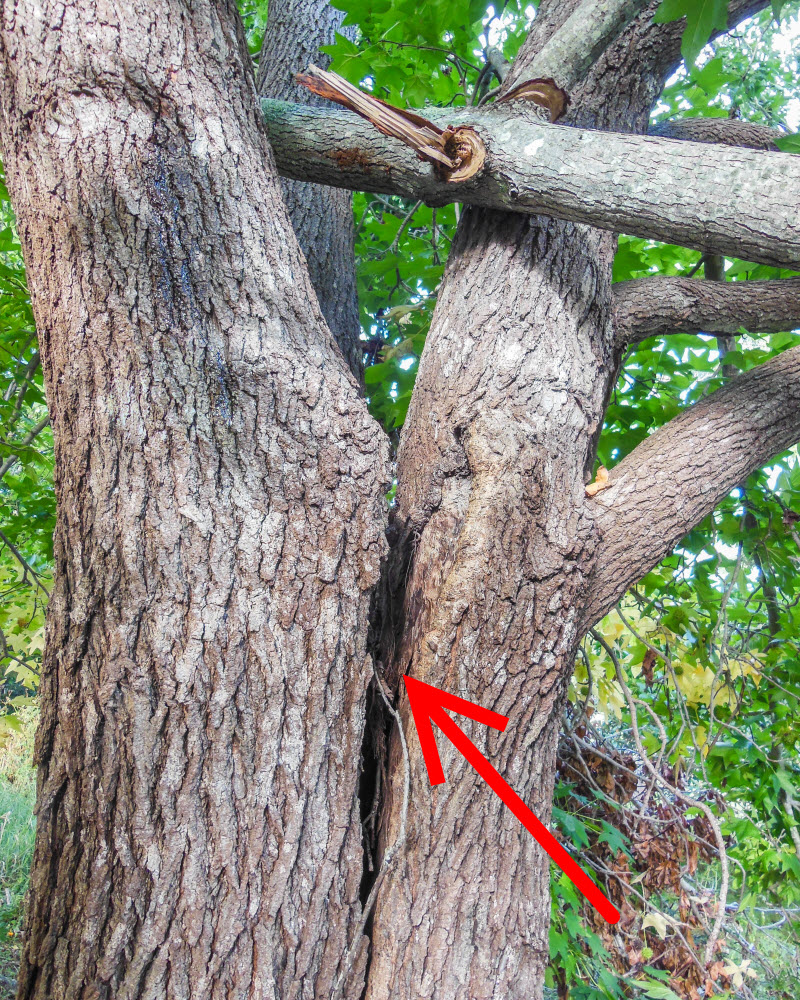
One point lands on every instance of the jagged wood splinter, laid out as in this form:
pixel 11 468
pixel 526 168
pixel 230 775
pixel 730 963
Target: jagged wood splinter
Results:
pixel 457 152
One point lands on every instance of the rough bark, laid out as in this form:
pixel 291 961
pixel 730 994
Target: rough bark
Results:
pixel 722 131
pixel 676 477
pixel 743 202
pixel 502 428
pixel 220 522
pixel 220 525
pixel 322 217
pixel 492 469
pixel 582 36
pixel 656 307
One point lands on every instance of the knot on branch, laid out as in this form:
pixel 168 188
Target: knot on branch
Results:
pixel 465 149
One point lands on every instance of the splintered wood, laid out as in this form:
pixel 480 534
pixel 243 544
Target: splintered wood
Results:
pixel 543 92
pixel 457 152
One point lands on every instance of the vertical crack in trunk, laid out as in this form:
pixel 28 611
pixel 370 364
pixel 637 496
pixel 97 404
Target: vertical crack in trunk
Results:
pixel 385 633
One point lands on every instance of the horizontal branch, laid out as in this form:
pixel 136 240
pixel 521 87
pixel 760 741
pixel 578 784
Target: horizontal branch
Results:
pixel 721 131
pixel 741 203
pixel 676 477
pixel 655 307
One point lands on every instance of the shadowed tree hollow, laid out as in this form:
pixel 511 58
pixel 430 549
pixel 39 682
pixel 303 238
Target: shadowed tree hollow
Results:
pixel 229 576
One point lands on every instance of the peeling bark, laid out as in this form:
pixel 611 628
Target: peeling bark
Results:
pixel 220 524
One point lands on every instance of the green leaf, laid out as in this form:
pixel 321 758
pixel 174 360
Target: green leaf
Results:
pixel 672 10
pixel 611 835
pixel 656 991
pixel 789 143
pixel 377 373
pixel 702 18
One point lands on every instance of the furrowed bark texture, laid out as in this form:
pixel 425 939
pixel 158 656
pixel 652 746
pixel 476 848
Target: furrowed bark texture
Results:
pixel 744 204
pixel 675 477
pixel 656 307
pixel 220 522
pixel 500 547
pixel 722 131
pixel 322 216
pixel 490 489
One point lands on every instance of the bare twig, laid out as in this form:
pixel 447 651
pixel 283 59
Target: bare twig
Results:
pixel 33 433
pixel 29 570
pixel 688 799
pixel 391 854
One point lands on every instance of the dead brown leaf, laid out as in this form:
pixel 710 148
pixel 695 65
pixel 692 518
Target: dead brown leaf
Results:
pixel 600 482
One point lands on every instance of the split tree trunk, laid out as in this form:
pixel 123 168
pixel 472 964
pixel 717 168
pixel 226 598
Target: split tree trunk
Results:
pixel 492 472
pixel 498 444
pixel 220 522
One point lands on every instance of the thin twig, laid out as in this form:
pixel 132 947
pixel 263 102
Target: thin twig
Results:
pixel 403 226
pixel 391 854
pixel 691 802
pixel 24 563
pixel 23 443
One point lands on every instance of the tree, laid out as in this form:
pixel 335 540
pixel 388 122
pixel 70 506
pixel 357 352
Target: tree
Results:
pixel 223 583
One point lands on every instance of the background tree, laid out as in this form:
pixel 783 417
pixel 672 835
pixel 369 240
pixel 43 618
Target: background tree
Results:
pixel 204 688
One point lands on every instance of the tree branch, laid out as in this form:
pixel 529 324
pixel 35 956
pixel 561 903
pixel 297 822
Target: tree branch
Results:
pixel 656 307
pixel 677 476
pixel 581 39
pixel 744 204
pixel 721 131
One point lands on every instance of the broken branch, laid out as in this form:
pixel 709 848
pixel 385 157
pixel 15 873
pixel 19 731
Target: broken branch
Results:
pixel 742 203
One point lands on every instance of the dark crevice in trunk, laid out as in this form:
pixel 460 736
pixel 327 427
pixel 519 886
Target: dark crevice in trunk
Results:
pixel 371 785
pixel 371 793
pixel 385 633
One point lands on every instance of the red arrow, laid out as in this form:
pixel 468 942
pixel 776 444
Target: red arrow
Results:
pixel 428 705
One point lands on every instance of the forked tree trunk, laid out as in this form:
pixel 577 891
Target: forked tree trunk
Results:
pixel 498 444
pixel 220 522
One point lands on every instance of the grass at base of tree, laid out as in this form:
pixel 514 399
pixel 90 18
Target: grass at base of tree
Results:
pixel 17 826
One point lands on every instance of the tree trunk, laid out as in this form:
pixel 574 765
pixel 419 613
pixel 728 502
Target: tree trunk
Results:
pixel 492 472
pixel 220 524
pixel 498 444
pixel 322 217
